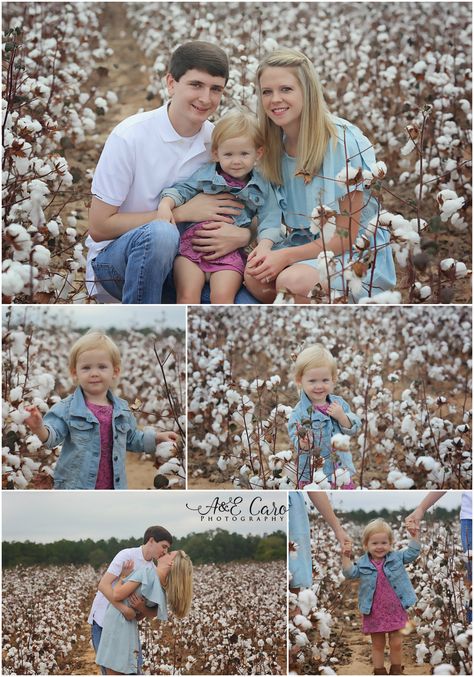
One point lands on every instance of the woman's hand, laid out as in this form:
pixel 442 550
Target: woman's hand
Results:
pixel 413 528
pixel 346 547
pixel 167 436
pixel 413 519
pixel 343 537
pixel 216 239
pixel 128 613
pixel 266 266
pixel 202 207
pixel 127 568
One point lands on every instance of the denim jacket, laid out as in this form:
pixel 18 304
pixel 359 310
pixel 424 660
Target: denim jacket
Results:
pixel 394 570
pixel 73 425
pixel 323 427
pixel 257 195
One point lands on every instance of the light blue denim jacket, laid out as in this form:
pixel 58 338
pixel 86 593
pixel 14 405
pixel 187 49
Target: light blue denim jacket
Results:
pixel 323 427
pixel 73 425
pixel 258 197
pixel 394 570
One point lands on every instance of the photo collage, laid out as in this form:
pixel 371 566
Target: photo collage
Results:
pixel 237 338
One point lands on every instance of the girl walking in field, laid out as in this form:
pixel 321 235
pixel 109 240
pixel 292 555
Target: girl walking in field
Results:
pixel 385 590
pixel 170 583
pixel 316 161
pixel 94 426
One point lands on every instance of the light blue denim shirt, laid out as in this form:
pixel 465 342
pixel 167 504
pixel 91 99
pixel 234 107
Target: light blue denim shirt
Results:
pixel 298 199
pixel 73 425
pixel 258 197
pixel 394 570
pixel 323 427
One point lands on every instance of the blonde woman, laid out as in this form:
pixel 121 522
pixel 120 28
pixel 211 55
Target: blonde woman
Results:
pixel 170 583
pixel 305 149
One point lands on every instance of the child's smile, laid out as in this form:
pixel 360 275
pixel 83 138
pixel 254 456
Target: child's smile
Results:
pixel 317 384
pixel 379 545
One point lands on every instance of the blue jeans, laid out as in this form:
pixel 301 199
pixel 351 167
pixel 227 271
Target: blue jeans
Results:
pixel 466 539
pixel 96 632
pixel 134 266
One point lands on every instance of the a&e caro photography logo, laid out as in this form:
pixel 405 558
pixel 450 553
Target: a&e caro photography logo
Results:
pixel 239 509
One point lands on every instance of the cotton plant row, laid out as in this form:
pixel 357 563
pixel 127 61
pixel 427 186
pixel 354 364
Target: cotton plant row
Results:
pixel 43 624
pixel 35 371
pixel 405 372
pixel 402 76
pixel 50 50
pixel 323 616
pixel 235 626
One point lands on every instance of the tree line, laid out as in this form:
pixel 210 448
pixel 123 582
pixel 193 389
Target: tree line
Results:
pixel 363 516
pixel 215 546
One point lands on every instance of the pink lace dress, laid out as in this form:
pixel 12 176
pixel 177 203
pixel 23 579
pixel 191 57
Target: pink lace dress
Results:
pixel 233 261
pixel 387 613
pixel 105 474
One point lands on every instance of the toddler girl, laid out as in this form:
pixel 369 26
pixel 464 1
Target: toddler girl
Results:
pixel 318 416
pixel 94 426
pixel 385 591
pixel 236 148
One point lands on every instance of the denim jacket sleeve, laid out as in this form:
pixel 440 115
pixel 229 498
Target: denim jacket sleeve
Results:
pixel 412 552
pixel 353 418
pixel 183 191
pixel 269 217
pixel 57 427
pixel 140 440
pixel 352 572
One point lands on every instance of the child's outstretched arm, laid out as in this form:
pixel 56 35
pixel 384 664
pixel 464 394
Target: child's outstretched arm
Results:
pixel 346 549
pixel 35 423
pixel 414 546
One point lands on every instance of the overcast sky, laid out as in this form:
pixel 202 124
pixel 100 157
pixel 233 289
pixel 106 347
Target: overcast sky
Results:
pixel 47 516
pixel 105 316
pixel 392 500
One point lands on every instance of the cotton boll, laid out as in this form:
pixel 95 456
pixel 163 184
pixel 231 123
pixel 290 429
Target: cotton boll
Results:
pixel 306 601
pixel 445 669
pixel 164 450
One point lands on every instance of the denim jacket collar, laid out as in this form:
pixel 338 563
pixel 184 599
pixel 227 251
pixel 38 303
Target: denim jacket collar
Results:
pixel 80 409
pixel 315 413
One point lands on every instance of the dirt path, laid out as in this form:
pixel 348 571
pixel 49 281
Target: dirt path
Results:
pixel 360 648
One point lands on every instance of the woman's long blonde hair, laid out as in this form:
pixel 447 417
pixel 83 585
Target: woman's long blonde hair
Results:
pixel 316 126
pixel 179 585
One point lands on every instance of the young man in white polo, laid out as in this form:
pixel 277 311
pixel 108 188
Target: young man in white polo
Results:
pixel 156 543
pixel 130 251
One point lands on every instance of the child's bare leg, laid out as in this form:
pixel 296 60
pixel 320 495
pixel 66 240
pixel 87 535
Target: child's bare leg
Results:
pixel 189 280
pixel 224 286
pixel 264 292
pixel 395 643
pixel 378 649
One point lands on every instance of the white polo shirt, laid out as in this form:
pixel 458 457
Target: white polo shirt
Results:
pixel 100 603
pixel 466 506
pixel 143 155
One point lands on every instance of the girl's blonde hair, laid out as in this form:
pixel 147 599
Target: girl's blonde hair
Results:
pixel 312 358
pixel 316 126
pixel 374 527
pixel 94 340
pixel 179 585
pixel 236 124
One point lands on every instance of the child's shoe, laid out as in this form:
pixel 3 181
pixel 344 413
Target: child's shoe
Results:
pixel 380 671
pixel 396 670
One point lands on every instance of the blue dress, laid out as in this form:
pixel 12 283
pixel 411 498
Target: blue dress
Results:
pixel 119 645
pixel 297 201
pixel 299 563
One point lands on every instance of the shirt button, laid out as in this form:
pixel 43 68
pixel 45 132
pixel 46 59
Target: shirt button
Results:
pixel 117 479
pixel 115 458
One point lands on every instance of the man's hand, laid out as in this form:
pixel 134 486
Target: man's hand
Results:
pixel 202 207
pixel 127 612
pixel 346 548
pixel 215 239
pixel 165 210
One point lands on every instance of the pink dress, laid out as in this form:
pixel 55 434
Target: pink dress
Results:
pixel 105 474
pixel 387 613
pixel 233 261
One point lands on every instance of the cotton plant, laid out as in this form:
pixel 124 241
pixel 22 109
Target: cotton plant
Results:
pixel 45 112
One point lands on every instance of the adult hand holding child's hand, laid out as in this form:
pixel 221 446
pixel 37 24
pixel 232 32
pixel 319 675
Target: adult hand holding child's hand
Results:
pixel 34 420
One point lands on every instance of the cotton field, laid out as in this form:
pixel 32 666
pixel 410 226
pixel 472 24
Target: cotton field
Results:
pixel 42 617
pixel 406 372
pixel 236 625
pixel 325 634
pixel 35 371
pixel 401 72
